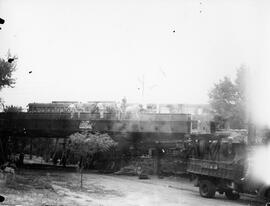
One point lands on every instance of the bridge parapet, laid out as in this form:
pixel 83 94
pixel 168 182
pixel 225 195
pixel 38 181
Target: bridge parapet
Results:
pixel 63 124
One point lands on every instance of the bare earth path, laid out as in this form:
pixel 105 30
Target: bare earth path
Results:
pixel 63 188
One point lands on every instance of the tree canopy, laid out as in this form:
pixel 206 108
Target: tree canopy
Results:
pixel 12 108
pixel 228 100
pixel 86 143
pixel 7 67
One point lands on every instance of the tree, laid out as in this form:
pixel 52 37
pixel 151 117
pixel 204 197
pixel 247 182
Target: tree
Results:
pixel 85 144
pixel 7 67
pixel 228 101
pixel 12 108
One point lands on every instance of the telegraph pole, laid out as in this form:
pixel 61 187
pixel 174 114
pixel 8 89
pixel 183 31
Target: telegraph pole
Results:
pixel 142 81
pixel 142 85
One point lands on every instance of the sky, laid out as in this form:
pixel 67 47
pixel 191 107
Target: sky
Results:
pixel 104 50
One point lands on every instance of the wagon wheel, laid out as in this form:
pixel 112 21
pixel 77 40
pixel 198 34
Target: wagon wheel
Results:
pixel 2 198
pixel 232 196
pixel 207 189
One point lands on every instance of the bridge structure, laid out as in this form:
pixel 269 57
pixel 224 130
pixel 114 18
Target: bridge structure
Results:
pixel 63 124
pixel 144 129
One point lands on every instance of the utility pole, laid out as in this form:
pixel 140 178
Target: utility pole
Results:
pixel 142 81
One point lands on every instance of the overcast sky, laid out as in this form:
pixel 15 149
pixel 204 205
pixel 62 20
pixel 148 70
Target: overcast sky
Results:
pixel 102 50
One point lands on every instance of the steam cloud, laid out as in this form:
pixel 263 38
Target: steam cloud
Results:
pixel 259 96
pixel 260 164
pixel 258 86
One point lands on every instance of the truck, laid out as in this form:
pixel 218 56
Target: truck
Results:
pixel 219 163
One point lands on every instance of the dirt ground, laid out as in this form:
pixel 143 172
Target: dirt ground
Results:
pixel 32 187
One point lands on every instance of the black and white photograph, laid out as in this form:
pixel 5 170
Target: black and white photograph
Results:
pixel 135 102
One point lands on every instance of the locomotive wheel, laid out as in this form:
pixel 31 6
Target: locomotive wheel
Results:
pixel 232 196
pixel 207 189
